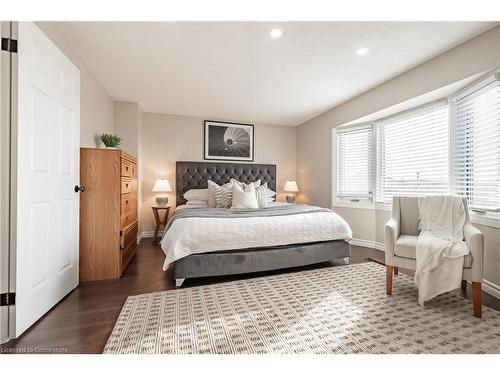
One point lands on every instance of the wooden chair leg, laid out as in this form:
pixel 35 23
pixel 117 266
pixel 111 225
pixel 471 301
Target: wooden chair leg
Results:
pixel 464 284
pixel 396 270
pixel 389 279
pixel 477 300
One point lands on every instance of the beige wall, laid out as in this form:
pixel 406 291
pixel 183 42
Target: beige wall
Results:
pixel 126 125
pixel 314 164
pixel 169 138
pixel 96 106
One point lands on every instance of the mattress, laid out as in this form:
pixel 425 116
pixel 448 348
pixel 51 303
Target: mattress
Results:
pixel 196 235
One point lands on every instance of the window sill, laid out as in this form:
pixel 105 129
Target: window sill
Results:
pixel 485 219
pixel 368 206
pixel 481 219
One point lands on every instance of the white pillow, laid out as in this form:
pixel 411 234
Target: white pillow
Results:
pixel 197 203
pixel 270 196
pixel 244 198
pixel 243 185
pixel 211 193
pixel 196 195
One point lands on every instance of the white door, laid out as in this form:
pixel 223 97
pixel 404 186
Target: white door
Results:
pixel 5 86
pixel 48 169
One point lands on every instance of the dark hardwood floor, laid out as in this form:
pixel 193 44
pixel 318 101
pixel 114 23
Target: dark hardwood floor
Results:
pixel 83 321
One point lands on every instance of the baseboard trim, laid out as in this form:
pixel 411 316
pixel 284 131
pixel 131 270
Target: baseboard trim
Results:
pixel 366 243
pixel 148 234
pixel 491 288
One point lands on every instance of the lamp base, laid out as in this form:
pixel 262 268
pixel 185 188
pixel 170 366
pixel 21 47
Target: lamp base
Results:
pixel 161 201
pixel 290 198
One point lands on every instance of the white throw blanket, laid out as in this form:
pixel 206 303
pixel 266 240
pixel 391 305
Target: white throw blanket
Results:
pixel 440 246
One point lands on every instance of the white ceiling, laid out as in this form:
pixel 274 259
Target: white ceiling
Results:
pixel 235 71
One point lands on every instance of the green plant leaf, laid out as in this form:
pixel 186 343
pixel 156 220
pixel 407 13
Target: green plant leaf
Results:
pixel 110 140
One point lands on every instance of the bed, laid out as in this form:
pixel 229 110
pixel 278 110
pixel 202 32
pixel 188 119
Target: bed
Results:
pixel 217 242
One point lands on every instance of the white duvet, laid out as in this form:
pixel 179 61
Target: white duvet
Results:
pixel 189 236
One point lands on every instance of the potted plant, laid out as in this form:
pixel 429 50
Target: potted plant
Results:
pixel 110 140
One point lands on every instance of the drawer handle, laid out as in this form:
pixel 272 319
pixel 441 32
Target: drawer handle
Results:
pixel 126 186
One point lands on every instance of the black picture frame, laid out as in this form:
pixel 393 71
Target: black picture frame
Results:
pixel 215 148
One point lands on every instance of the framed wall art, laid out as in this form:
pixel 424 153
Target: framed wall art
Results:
pixel 228 141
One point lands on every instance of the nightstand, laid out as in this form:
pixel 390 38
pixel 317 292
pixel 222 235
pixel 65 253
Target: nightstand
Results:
pixel 163 222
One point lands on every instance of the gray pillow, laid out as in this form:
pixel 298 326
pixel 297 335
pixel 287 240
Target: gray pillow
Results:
pixel 223 195
pixel 211 192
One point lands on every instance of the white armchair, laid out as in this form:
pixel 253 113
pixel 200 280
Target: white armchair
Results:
pixel 401 233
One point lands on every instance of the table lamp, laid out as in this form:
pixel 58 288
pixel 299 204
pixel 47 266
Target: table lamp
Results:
pixel 291 187
pixel 161 186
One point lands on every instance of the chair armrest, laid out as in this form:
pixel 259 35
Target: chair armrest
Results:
pixel 391 235
pixel 475 242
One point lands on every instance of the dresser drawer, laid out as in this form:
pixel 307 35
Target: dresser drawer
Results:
pixel 133 168
pixel 133 202
pixel 126 255
pixel 126 185
pixel 126 203
pixel 128 218
pixel 126 168
pixel 128 236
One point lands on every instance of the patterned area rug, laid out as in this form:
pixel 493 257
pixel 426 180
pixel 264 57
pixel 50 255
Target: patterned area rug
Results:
pixel 340 309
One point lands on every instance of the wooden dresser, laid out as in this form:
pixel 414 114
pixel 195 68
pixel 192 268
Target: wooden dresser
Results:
pixel 108 213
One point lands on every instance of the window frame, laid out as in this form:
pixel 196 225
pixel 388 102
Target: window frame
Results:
pixel 401 116
pixel 335 153
pixel 477 215
pixel 488 218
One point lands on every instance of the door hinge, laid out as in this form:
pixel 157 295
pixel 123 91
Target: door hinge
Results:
pixel 9 45
pixel 7 299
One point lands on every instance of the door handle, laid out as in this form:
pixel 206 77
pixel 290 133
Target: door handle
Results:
pixel 80 189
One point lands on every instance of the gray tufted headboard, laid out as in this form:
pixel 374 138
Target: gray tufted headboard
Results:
pixel 195 174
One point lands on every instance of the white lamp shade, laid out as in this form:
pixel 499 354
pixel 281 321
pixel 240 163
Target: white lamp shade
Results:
pixel 291 186
pixel 161 186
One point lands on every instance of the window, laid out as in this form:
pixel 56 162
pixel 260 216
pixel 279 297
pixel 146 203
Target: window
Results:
pixel 443 147
pixel 476 162
pixel 354 155
pixel 413 153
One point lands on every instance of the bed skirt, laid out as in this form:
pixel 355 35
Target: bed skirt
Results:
pixel 234 262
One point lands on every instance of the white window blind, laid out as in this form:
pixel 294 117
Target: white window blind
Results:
pixel 476 163
pixel 413 153
pixel 354 171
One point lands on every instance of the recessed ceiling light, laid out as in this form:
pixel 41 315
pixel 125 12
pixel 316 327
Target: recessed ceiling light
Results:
pixel 362 51
pixel 276 33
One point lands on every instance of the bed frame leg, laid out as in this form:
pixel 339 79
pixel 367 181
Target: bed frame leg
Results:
pixel 178 282
pixel 347 260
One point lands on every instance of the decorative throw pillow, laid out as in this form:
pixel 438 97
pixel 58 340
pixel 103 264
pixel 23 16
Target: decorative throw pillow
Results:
pixel 244 197
pixel 223 195
pixel 270 196
pixel 262 195
pixel 211 193
pixel 196 195
pixel 243 185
